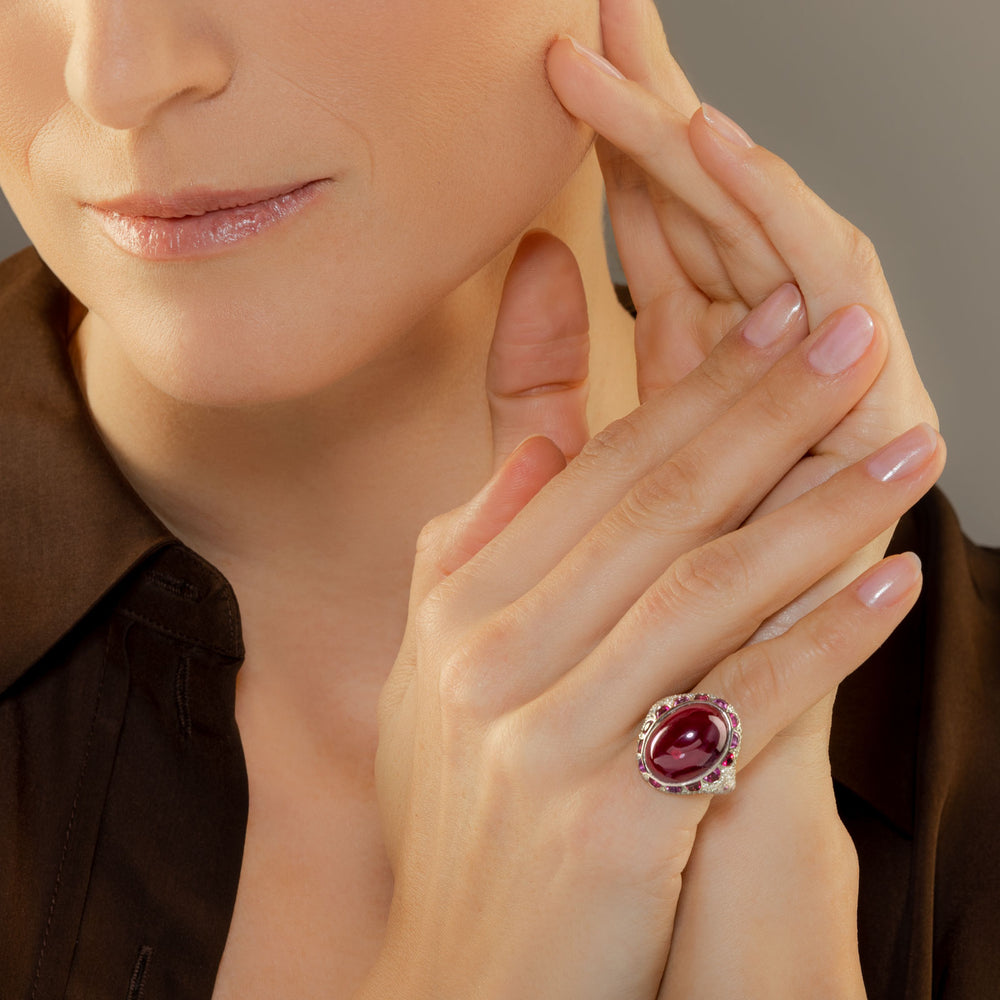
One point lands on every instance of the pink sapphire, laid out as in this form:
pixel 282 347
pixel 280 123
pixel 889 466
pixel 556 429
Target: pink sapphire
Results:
pixel 687 744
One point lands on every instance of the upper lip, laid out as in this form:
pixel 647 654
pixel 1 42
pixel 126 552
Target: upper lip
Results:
pixel 192 201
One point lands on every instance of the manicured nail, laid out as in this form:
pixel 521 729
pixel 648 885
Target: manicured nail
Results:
pixel 904 455
pixel 772 318
pixel 598 60
pixel 890 581
pixel 844 341
pixel 726 127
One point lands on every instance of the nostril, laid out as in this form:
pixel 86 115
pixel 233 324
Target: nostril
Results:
pixel 123 69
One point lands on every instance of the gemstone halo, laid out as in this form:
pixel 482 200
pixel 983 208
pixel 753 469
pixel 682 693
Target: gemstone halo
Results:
pixel 688 744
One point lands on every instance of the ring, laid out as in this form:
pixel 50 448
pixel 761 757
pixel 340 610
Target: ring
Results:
pixel 689 743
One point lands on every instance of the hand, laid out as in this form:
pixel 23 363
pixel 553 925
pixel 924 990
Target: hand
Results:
pixel 529 857
pixel 706 227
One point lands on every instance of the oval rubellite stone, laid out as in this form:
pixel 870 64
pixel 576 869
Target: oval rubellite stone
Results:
pixel 687 743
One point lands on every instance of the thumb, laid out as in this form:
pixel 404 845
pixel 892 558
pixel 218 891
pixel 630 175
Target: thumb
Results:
pixel 536 376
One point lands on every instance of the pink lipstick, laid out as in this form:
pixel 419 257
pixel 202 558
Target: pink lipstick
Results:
pixel 198 222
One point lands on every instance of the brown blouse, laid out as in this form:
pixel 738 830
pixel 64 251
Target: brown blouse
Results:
pixel 123 790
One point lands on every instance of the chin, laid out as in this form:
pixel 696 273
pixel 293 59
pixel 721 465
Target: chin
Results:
pixel 241 356
pixel 248 330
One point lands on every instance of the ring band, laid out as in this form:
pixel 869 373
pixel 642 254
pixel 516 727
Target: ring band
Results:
pixel 688 745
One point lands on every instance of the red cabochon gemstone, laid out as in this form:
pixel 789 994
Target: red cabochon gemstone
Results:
pixel 687 743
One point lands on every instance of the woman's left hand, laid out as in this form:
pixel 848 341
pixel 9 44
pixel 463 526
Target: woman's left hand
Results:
pixel 708 225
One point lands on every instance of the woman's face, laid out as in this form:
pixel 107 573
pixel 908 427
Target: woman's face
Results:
pixel 430 125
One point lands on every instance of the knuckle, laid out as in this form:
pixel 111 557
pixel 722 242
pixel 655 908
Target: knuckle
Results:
pixel 516 758
pixel 832 641
pixel 711 578
pixel 432 536
pixel 431 613
pixel 618 446
pixel 734 232
pixel 774 405
pixel 620 170
pixel 861 253
pixel 671 498
pixel 719 380
pixel 471 677
pixel 461 694
pixel 756 680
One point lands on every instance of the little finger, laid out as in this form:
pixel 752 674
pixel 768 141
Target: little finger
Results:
pixel 771 684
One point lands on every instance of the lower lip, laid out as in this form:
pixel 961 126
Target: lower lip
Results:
pixel 191 236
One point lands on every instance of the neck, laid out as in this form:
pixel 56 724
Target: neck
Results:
pixel 314 505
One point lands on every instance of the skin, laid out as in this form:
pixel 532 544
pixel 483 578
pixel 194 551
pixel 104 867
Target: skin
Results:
pixel 357 358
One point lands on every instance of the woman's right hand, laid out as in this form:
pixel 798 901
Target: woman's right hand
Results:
pixel 546 616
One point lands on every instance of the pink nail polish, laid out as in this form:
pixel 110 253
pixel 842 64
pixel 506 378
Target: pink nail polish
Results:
pixel 598 60
pixel 904 455
pixel 724 126
pixel 771 319
pixel 843 342
pixel 888 582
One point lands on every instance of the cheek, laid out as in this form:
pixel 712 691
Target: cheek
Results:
pixel 468 142
pixel 32 97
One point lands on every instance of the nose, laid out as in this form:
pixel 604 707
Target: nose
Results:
pixel 128 60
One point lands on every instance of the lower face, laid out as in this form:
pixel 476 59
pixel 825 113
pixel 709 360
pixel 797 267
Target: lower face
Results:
pixel 430 128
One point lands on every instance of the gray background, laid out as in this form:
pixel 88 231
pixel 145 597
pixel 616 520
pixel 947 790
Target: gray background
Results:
pixel 888 109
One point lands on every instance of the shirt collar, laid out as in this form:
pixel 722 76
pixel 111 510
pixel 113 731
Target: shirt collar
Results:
pixel 71 526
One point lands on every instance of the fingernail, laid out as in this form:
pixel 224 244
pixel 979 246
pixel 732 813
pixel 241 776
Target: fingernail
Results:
pixel 772 318
pixel 890 581
pixel 844 341
pixel 726 127
pixel 904 455
pixel 598 60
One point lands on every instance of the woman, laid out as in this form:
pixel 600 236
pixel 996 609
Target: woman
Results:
pixel 304 322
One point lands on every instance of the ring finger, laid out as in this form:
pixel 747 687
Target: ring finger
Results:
pixel 770 684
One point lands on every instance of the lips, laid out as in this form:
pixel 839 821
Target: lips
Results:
pixel 199 222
